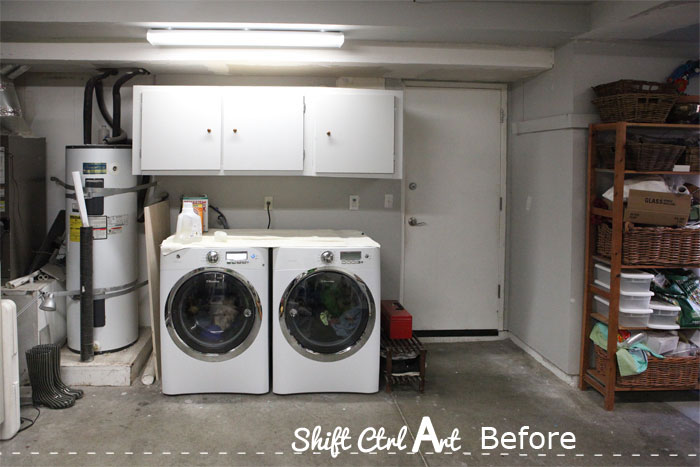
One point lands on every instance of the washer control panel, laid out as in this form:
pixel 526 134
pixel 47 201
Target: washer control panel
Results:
pixel 327 257
pixel 238 257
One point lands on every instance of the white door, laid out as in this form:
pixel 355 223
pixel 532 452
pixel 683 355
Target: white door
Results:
pixel 453 253
pixel 180 129
pixel 263 130
pixel 354 133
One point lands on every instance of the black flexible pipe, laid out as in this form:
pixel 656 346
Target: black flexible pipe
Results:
pixel 117 133
pixel 87 351
pixel 100 96
pixel 87 103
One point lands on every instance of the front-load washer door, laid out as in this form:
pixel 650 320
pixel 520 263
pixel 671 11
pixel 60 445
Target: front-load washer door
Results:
pixel 327 314
pixel 213 314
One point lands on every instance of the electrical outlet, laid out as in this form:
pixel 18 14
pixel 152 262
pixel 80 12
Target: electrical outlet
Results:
pixel 268 199
pixel 354 202
pixel 388 201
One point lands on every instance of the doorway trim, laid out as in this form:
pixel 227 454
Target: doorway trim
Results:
pixel 503 87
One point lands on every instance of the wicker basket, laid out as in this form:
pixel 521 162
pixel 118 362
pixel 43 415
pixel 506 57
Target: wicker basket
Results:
pixel 692 158
pixel 630 86
pixel 649 157
pixel 662 246
pixel 644 157
pixel 669 372
pixel 640 108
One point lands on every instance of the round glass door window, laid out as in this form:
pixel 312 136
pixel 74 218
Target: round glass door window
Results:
pixel 327 312
pixel 213 311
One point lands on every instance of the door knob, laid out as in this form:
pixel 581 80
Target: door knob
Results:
pixel 412 221
pixel 208 130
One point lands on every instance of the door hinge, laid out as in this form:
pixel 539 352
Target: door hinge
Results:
pixel 304 107
pixel 500 203
pixel 499 290
pixel 503 115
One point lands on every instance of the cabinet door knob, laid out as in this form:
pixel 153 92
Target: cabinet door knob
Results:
pixel 208 130
pixel 328 133
pixel 235 130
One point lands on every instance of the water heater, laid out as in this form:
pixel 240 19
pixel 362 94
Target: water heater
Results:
pixel 115 258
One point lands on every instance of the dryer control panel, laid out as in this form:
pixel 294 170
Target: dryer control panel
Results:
pixel 351 257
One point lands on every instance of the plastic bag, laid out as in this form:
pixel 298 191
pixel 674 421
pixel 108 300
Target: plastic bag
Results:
pixel 680 287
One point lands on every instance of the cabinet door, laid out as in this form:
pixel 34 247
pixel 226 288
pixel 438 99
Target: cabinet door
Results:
pixel 263 130
pixel 354 133
pixel 181 129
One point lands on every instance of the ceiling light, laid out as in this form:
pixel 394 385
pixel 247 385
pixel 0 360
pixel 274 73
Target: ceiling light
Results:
pixel 243 38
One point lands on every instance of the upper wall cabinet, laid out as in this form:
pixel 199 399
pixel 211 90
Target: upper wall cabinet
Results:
pixel 263 129
pixel 354 133
pixel 180 130
pixel 213 130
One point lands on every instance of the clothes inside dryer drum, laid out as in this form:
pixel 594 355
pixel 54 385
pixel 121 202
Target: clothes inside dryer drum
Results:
pixel 213 312
pixel 327 312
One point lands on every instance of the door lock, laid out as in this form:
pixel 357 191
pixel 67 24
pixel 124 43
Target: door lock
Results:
pixel 412 221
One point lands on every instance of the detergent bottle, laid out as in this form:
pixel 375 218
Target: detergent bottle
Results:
pixel 189 225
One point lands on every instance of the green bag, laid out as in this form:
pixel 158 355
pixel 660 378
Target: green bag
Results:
pixel 682 288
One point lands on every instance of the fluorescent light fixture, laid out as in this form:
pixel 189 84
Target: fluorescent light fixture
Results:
pixel 243 38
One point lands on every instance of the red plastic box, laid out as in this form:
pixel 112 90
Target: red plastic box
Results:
pixel 397 323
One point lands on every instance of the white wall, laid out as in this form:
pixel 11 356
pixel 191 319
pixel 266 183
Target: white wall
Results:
pixel 53 106
pixel 547 189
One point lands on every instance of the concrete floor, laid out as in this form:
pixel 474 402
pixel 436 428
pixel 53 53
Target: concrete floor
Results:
pixel 470 385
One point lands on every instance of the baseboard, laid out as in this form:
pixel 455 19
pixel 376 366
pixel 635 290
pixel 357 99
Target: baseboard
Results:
pixel 457 333
pixel 567 378
pixel 498 336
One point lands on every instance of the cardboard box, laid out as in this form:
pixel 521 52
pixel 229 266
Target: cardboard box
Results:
pixel 656 208
pixel 200 205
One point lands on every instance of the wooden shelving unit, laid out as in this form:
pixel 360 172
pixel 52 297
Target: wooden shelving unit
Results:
pixel 606 383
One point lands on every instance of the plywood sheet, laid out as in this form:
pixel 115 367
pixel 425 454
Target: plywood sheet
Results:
pixel 157 219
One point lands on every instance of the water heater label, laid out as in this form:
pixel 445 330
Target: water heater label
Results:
pixel 99 227
pixel 94 168
pixel 116 224
pixel 75 225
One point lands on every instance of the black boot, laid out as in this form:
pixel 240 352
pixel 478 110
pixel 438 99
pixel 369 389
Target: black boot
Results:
pixel 55 356
pixel 41 378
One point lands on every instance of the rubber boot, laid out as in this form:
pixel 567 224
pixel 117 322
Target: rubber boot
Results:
pixel 55 355
pixel 41 378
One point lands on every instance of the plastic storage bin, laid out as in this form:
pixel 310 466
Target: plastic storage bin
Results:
pixel 630 281
pixel 628 317
pixel 631 300
pixel 663 342
pixel 663 316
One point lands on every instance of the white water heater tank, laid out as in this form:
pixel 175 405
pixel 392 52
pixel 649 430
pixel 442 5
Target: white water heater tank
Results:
pixel 115 256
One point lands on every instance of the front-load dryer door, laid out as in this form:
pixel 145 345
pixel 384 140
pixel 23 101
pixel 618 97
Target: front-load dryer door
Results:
pixel 213 314
pixel 327 314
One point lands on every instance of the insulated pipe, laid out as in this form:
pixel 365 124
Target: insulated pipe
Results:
pixel 87 350
pixel 87 111
pixel 117 133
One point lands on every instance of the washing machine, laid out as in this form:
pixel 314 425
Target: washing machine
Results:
pixel 325 328
pixel 214 331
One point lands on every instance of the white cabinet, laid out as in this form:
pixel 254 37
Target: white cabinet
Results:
pixel 259 130
pixel 180 129
pixel 354 133
pixel 263 130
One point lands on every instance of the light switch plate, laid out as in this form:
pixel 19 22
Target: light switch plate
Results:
pixel 354 202
pixel 388 201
